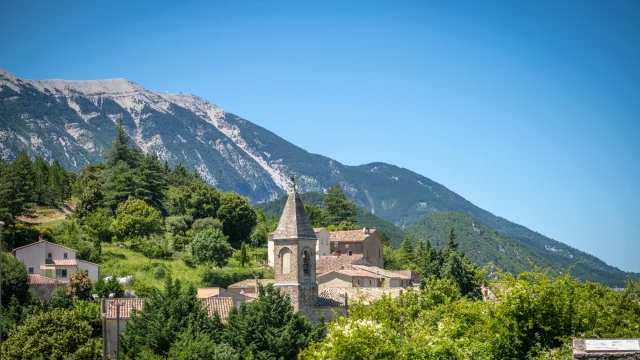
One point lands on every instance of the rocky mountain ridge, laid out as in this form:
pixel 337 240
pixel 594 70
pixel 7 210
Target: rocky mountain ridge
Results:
pixel 73 121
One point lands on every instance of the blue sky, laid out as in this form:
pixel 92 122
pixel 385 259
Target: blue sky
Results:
pixel 528 109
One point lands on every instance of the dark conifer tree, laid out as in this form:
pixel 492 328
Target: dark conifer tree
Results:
pixel 41 180
pixel 22 185
pixel 338 207
pixel 152 182
pixel 121 149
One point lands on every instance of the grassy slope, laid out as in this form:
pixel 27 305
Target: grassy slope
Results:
pixel 123 262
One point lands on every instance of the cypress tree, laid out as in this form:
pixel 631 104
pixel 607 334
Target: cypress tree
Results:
pixel 121 150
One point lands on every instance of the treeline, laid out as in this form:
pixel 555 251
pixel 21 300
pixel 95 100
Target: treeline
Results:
pixel 536 315
pixel 25 183
pixel 132 198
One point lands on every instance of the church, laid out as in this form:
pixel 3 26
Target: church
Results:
pixel 294 262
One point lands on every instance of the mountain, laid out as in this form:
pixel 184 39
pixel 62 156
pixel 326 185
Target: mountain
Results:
pixel 482 244
pixel 73 122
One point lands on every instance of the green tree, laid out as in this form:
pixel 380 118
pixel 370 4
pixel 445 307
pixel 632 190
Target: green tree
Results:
pixel 407 249
pixel 452 244
pixel 244 256
pixel 206 223
pixel 152 182
pixel 41 181
pixel 164 315
pixel 197 345
pixel 180 176
pixel 54 335
pixel 211 247
pixel 121 150
pixel 119 184
pixel 15 281
pixel 342 226
pixel 111 286
pixel 196 199
pixel 338 208
pixel 316 215
pixel 90 200
pixel 237 216
pixel 16 188
pixel 136 219
pixel 267 328
pixel 98 225
pixel 59 184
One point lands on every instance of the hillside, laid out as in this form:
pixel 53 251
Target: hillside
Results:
pixel 73 121
pixel 482 244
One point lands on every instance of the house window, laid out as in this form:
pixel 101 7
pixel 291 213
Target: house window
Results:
pixel 64 256
pixel 48 273
pixel 61 273
pixel 30 270
pixel 369 282
pixel 350 252
pixel 49 256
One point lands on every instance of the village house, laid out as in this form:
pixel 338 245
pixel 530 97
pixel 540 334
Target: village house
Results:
pixel 366 242
pixel 50 264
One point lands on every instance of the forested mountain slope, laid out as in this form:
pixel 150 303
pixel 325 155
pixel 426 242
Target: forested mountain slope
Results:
pixel 73 121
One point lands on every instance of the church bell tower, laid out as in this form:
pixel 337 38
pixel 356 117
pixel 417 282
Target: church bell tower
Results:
pixel 294 246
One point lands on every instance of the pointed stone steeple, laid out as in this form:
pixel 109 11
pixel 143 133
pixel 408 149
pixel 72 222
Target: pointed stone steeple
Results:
pixel 294 222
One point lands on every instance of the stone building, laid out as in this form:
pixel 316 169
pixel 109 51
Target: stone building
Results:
pixel 366 242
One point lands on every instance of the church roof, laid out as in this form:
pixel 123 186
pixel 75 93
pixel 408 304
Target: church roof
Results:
pixel 294 222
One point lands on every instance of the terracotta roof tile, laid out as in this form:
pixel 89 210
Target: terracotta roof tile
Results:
pixel 250 283
pixel 128 305
pixel 294 222
pixel 351 235
pixel 382 272
pixel 37 279
pixel 332 263
pixel 335 296
pixel 221 305
pixel 61 262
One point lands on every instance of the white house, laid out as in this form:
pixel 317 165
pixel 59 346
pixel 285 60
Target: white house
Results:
pixel 322 246
pixel 53 261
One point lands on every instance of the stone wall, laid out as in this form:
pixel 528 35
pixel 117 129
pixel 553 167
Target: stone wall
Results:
pixel 292 276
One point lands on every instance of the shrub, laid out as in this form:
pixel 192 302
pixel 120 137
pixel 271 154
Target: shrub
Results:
pixel 188 260
pixel 211 246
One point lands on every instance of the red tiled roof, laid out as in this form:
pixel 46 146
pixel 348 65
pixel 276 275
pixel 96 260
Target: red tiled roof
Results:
pixel 43 241
pixel 61 262
pixel 351 235
pixel 250 283
pixel 126 308
pixel 221 305
pixel 37 279
pixel 335 296
pixel 332 263
pixel 382 272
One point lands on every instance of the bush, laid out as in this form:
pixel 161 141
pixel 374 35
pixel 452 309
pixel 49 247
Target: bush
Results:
pixel 206 223
pixel 188 260
pixel 103 289
pixel 211 246
pixel 160 273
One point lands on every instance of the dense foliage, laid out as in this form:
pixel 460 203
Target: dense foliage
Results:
pixel 173 324
pixel 535 316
